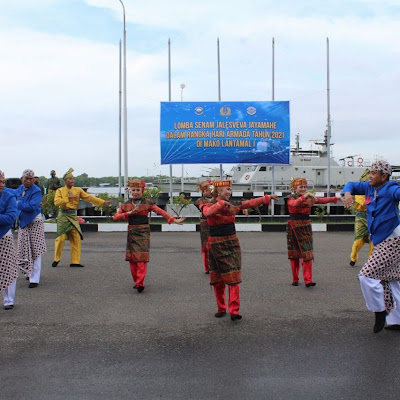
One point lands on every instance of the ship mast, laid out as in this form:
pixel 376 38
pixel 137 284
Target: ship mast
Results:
pixel 272 208
pixel 328 139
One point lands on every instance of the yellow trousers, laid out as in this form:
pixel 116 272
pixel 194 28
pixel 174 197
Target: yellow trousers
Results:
pixel 357 245
pixel 75 242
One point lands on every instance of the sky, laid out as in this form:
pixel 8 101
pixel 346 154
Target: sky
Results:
pixel 59 75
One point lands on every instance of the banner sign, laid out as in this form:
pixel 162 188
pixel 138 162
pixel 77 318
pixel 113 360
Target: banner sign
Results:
pixel 256 132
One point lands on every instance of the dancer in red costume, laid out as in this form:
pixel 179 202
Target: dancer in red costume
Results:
pixel 204 187
pixel 225 255
pixel 299 231
pixel 136 211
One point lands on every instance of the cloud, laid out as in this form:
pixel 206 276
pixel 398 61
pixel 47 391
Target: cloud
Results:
pixel 60 91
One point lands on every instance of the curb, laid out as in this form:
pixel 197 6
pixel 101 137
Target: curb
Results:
pixel 110 227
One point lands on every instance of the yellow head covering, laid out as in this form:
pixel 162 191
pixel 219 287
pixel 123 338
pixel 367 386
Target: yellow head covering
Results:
pixel 365 175
pixel 68 174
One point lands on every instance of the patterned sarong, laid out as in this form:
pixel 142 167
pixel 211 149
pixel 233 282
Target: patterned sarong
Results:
pixel 204 234
pixel 225 260
pixel 138 243
pixel 300 239
pixel 384 264
pixel 360 227
pixel 8 262
pixel 31 245
pixel 67 220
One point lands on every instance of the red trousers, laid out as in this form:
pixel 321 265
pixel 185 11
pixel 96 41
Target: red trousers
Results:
pixel 307 270
pixel 234 301
pixel 138 271
pixel 205 260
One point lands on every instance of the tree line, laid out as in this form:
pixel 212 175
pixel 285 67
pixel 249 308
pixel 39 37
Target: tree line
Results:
pixel 84 180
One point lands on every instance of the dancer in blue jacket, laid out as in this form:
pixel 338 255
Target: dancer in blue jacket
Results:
pixel 8 255
pixel 380 276
pixel 31 241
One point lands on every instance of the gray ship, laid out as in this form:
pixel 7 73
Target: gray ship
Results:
pixel 312 164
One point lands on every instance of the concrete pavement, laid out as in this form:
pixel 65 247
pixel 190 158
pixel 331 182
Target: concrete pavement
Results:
pixel 86 334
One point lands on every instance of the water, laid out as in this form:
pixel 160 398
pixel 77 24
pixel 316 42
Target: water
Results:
pixel 112 191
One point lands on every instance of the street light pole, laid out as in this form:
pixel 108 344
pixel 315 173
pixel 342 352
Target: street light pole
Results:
pixel 182 183
pixel 125 109
pixel 120 122
pixel 182 87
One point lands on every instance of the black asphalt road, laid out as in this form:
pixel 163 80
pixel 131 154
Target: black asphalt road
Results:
pixel 86 334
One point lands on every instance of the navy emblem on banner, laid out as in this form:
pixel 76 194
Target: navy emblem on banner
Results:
pixel 198 110
pixel 251 110
pixel 225 111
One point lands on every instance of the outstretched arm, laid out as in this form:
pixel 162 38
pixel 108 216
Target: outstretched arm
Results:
pixel 351 189
pixel 396 193
pixel 10 213
pixel 120 216
pixel 219 207
pixel 326 200
pixel 91 199
pixel 258 201
pixel 169 218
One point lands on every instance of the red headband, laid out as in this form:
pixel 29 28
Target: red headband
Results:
pixel 138 184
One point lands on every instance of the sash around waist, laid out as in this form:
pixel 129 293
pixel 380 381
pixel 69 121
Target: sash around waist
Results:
pixel 299 217
pixel 361 214
pixel 222 230
pixel 139 220
pixel 70 212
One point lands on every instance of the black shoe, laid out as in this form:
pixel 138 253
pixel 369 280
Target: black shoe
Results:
pixel 393 327
pixel 32 285
pixel 140 289
pixel 76 265
pixel 207 272
pixel 10 307
pixel 295 283
pixel 220 314
pixel 135 287
pixel 235 317
pixel 55 263
pixel 311 284
pixel 380 320
pixel 352 263
pixel 27 278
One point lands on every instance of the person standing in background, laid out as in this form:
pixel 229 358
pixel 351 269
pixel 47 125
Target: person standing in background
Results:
pixel 36 181
pixel 361 234
pixel 53 183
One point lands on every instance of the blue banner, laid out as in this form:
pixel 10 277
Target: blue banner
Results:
pixel 256 132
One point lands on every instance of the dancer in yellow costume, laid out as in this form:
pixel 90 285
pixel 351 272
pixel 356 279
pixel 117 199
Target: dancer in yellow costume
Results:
pixel 361 234
pixel 67 199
